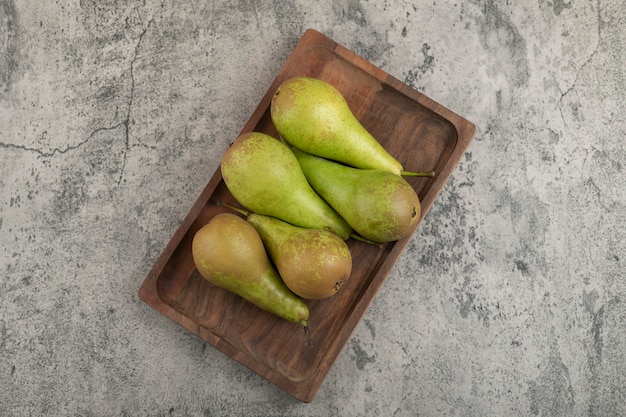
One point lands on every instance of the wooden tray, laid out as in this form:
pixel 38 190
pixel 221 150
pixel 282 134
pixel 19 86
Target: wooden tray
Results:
pixel 420 133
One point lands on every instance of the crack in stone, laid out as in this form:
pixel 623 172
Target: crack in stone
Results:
pixel 126 121
pixel 598 192
pixel 587 62
pixel 55 151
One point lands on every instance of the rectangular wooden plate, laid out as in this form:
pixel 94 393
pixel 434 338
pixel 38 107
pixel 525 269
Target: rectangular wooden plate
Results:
pixel 420 133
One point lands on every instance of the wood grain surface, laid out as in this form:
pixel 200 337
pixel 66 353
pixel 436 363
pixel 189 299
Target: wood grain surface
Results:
pixel 420 133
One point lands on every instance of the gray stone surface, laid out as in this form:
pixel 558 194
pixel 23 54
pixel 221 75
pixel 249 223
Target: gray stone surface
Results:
pixel 509 301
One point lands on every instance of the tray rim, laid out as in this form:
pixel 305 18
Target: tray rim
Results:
pixel 148 292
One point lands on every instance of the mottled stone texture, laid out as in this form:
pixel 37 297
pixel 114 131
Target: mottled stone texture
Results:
pixel 509 301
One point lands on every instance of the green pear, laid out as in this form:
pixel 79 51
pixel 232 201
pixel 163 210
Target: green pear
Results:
pixel 380 206
pixel 264 176
pixel 313 263
pixel 229 253
pixel 313 116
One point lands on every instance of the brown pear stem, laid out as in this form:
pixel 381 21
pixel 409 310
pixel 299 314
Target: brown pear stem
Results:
pixel 418 174
pixel 305 326
pixel 237 209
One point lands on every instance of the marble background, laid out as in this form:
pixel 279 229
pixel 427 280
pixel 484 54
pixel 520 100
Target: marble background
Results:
pixel 509 301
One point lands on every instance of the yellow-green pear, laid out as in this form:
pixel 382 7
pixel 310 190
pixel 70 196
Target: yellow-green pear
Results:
pixel 380 206
pixel 229 253
pixel 264 176
pixel 313 263
pixel 313 116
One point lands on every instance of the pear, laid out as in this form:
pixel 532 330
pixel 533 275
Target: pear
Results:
pixel 313 263
pixel 380 206
pixel 229 253
pixel 313 116
pixel 263 174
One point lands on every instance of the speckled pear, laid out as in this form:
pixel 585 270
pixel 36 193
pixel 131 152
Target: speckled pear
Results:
pixel 313 263
pixel 380 206
pixel 313 116
pixel 263 175
pixel 229 253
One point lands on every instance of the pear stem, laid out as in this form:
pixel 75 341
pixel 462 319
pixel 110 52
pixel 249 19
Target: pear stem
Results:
pixel 305 326
pixel 237 209
pixel 418 174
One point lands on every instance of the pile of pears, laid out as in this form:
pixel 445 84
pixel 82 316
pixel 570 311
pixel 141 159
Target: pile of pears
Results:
pixel 325 179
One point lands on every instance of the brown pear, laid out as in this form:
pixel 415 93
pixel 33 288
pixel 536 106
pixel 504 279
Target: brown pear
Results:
pixel 229 253
pixel 313 263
